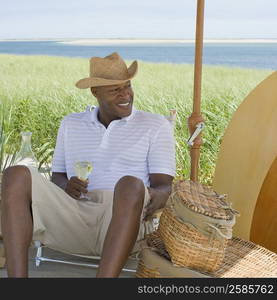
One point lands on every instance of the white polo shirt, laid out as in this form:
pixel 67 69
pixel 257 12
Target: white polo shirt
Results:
pixel 137 145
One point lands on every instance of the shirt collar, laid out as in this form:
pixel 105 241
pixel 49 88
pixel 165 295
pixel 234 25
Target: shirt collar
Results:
pixel 95 120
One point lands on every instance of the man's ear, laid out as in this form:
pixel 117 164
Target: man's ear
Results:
pixel 93 91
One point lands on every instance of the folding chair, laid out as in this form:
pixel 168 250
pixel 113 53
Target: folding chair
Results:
pixel 40 247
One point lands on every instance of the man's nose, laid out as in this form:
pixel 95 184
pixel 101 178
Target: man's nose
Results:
pixel 124 92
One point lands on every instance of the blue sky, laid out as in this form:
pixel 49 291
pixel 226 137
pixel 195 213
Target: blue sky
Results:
pixel 136 19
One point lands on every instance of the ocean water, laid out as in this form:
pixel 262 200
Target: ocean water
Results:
pixel 245 55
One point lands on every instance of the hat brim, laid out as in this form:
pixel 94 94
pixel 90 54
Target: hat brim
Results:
pixel 89 82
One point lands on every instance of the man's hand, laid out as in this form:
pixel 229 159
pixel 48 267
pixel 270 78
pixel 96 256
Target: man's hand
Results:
pixel 75 187
pixel 158 198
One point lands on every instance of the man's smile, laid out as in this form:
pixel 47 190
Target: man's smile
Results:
pixel 124 104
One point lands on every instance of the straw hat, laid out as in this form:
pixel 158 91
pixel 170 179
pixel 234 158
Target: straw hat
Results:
pixel 109 70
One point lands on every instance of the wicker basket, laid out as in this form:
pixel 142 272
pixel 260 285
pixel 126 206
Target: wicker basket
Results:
pixel 187 246
pixel 243 259
pixel 196 226
pixel 155 261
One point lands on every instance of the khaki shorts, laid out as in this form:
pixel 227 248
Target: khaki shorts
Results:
pixel 74 226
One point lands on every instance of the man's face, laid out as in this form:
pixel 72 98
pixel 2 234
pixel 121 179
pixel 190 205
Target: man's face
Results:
pixel 115 100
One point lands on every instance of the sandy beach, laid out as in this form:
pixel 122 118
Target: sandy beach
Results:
pixel 121 41
pixel 90 42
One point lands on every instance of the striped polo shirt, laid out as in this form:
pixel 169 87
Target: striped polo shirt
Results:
pixel 137 145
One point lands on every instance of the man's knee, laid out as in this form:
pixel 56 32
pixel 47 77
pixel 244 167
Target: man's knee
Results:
pixel 18 172
pixel 131 189
pixel 16 178
pixel 131 183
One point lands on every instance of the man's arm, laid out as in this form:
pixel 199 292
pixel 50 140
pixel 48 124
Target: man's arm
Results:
pixel 60 179
pixel 159 190
pixel 73 187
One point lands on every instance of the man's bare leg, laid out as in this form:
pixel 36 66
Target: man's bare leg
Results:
pixel 16 219
pixel 124 227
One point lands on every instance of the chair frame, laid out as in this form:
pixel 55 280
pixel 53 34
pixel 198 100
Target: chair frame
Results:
pixel 42 258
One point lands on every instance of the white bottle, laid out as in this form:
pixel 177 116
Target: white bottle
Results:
pixel 25 156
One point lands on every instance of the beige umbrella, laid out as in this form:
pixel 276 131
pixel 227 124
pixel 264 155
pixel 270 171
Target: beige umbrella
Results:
pixel 195 121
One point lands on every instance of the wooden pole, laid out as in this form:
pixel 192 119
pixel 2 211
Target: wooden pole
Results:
pixel 196 116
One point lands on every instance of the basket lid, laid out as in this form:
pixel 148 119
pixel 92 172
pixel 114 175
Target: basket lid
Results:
pixel 202 199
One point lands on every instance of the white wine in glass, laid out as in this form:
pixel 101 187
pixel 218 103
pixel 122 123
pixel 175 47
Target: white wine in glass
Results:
pixel 82 170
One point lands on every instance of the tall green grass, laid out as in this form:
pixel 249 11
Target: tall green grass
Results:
pixel 41 91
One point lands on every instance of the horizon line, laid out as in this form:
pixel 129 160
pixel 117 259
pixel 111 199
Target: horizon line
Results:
pixel 134 38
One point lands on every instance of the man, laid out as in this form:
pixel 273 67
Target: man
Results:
pixel 133 158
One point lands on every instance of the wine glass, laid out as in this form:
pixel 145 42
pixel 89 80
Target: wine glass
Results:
pixel 83 170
